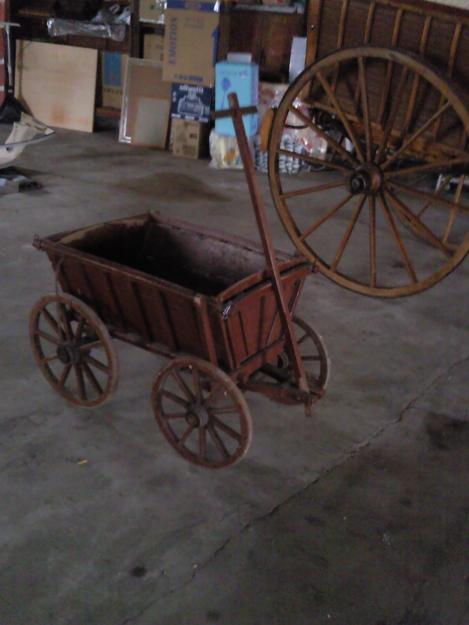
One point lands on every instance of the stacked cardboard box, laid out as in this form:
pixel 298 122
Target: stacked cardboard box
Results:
pixel 190 49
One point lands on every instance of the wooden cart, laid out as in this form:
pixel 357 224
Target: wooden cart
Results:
pixel 387 89
pixel 203 299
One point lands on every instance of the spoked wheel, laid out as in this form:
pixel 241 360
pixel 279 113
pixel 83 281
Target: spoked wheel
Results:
pixel 315 362
pixel 73 349
pixel 202 413
pixel 367 223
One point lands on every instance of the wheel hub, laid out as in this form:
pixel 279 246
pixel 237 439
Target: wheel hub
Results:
pixel 366 179
pixel 198 416
pixel 68 354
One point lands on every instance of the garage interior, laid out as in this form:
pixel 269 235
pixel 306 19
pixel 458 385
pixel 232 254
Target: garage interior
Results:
pixel 356 514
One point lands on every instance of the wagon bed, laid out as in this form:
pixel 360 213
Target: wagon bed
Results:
pixel 167 285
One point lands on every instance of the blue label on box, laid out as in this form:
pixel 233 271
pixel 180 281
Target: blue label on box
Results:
pixel 191 102
pixel 193 5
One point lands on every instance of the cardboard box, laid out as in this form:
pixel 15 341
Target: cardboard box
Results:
pixel 113 66
pixel 191 102
pixel 153 47
pixel 152 11
pixel 189 138
pixel 243 79
pixel 190 43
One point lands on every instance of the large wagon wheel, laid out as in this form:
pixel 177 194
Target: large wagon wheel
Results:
pixel 202 413
pixel 73 350
pixel 404 124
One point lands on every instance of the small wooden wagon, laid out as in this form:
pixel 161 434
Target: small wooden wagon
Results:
pixel 387 88
pixel 203 299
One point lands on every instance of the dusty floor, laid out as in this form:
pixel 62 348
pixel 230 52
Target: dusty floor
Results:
pixel 357 517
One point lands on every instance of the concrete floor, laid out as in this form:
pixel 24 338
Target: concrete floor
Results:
pixel 357 517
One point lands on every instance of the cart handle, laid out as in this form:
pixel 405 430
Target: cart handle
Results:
pixel 267 243
pixel 247 110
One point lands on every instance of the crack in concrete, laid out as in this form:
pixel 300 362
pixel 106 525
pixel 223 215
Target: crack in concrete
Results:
pixel 326 472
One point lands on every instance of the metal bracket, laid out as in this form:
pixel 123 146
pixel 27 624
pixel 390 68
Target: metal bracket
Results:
pixel 227 311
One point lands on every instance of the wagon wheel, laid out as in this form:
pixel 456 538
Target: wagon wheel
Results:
pixel 73 350
pixel 404 125
pixel 315 360
pixel 202 413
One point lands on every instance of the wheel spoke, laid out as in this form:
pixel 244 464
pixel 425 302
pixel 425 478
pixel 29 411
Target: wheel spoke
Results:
pixel 331 142
pixel 311 358
pixel 372 229
pixel 169 416
pixel 182 385
pixel 87 347
pixel 202 443
pixel 348 234
pixel 438 192
pixel 417 223
pixel 51 321
pixel 307 190
pixel 224 410
pixel 80 381
pixel 343 117
pixel 323 219
pixel 197 386
pixel 48 337
pixel 365 106
pixel 65 321
pixel 219 444
pixel 92 378
pixel 79 329
pixel 405 146
pixel 313 161
pixel 213 393
pixel 63 378
pixel 454 211
pixel 218 423
pixel 186 435
pixel 398 239
pixel 96 363
pixel 427 167
pixel 393 113
pixel 49 359
pixel 175 398
pixel 428 196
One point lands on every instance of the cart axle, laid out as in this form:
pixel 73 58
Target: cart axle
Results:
pixel 365 179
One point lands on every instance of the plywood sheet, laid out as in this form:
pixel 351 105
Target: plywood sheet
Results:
pixel 147 101
pixel 58 83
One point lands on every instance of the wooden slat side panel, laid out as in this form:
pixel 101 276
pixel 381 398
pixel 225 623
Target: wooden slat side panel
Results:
pixel 255 324
pixel 381 21
pixel 183 319
pixel 157 316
